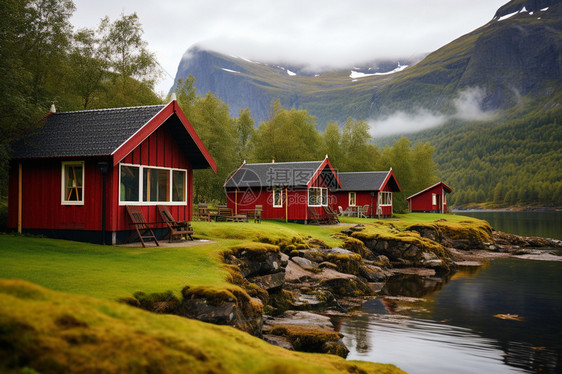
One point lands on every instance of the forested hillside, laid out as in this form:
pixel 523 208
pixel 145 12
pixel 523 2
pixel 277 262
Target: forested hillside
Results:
pixel 505 161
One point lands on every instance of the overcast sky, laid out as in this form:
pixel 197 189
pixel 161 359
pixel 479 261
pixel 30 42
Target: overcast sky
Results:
pixel 319 33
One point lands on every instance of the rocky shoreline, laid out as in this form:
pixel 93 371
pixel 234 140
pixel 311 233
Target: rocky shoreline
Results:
pixel 286 292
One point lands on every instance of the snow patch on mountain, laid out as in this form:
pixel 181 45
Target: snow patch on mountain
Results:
pixel 357 74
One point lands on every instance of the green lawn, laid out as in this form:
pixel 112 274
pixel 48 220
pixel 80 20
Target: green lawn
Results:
pixel 105 271
pixel 114 272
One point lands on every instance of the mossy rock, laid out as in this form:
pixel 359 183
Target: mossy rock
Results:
pixel 224 306
pixel 311 339
pixel 357 246
pixel 346 263
pixel 281 301
pixel 344 287
pixel 158 302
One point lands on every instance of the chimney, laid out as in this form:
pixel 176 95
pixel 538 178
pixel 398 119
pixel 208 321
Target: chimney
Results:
pixel 53 109
pixel 173 97
pixel 273 161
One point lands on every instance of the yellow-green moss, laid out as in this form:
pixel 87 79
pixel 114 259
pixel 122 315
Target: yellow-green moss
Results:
pixel 254 247
pixel 304 338
pixel 109 337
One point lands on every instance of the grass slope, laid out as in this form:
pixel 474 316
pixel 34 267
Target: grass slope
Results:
pixel 108 272
pixel 51 332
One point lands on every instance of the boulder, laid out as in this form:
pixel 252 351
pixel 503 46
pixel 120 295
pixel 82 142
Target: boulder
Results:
pixel 304 263
pixel 255 259
pixel 295 273
pixel 231 307
pixel 372 273
pixel 269 282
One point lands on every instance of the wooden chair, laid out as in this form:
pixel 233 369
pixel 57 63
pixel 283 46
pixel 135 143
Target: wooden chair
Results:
pixel 177 228
pixel 342 212
pixel 332 216
pixel 364 212
pixel 224 214
pixel 142 227
pixel 315 217
pixel 203 213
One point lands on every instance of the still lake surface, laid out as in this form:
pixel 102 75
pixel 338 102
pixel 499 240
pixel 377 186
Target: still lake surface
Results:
pixel 450 325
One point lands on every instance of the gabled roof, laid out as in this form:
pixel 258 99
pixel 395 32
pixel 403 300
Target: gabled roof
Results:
pixel 282 174
pixel 367 181
pixel 445 187
pixel 111 132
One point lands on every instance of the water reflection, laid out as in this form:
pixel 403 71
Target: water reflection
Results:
pixel 428 325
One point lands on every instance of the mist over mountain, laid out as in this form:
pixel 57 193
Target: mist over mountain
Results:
pixel 516 56
pixel 490 102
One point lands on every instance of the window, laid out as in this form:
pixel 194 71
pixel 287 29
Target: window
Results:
pixel 156 185
pixel 386 198
pixel 317 196
pixel 433 199
pixel 152 185
pixel 277 198
pixel 352 199
pixel 178 186
pixel 72 183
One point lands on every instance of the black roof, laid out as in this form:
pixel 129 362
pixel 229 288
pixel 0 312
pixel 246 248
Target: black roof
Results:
pixel 276 174
pixel 84 133
pixel 362 181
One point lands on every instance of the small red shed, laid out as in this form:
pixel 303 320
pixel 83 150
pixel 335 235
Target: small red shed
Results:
pixel 372 188
pixel 285 190
pixel 432 199
pixel 73 177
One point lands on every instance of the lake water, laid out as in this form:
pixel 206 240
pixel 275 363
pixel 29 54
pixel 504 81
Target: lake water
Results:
pixel 503 317
pixel 547 224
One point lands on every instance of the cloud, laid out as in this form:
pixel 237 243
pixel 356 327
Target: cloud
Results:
pixel 401 122
pixel 468 107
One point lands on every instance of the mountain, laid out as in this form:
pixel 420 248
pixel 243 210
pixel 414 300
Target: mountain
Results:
pixel 518 54
pixel 242 83
pixel 490 102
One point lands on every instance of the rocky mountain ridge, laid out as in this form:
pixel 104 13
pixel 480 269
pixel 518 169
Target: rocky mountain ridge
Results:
pixel 516 56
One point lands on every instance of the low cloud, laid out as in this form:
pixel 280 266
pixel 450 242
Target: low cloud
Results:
pixel 468 107
pixel 402 123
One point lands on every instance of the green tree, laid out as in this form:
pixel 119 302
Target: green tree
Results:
pixel 88 65
pixel 289 135
pixel 245 130
pixel 211 119
pixel 127 52
pixel 358 153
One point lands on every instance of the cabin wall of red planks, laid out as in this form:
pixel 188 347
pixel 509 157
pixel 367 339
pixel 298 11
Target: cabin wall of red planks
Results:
pixel 424 201
pixel 41 190
pixel 295 201
pixel 362 198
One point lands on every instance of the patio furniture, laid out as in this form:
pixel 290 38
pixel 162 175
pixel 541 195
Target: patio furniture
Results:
pixel 203 213
pixel 332 216
pixel 142 228
pixel 177 228
pixel 315 217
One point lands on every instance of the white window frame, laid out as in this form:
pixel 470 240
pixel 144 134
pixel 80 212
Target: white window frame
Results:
pixel 389 198
pixel 280 192
pixel 323 196
pixel 140 201
pixel 350 201
pixel 63 182
pixel 433 199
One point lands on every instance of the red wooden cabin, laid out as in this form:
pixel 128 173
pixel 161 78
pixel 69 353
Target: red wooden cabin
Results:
pixel 285 190
pixel 73 177
pixel 372 188
pixel 432 199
